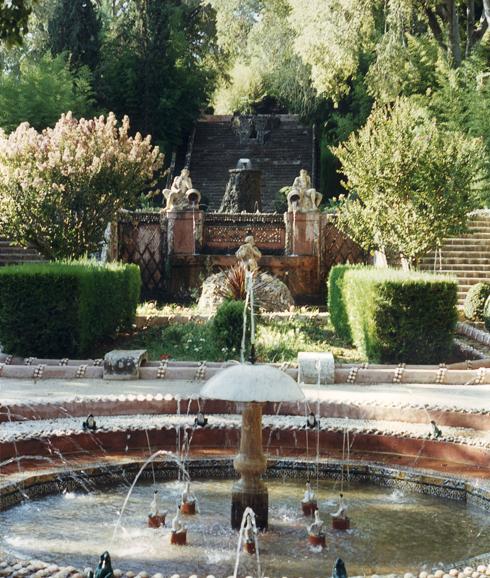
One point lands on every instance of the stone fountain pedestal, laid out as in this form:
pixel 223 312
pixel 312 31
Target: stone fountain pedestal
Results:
pixel 251 386
pixel 250 491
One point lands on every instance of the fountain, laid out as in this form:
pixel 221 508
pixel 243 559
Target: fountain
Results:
pixel 251 386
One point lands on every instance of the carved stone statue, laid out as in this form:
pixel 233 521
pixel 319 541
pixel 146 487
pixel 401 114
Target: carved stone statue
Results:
pixel 342 509
pixel 248 254
pixel 177 524
pixel 317 528
pixel 181 194
pixel 303 197
pixel 309 495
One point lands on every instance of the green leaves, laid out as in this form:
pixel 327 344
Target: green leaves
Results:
pixel 411 181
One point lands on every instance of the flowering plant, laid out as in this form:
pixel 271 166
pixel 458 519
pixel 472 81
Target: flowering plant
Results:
pixel 60 187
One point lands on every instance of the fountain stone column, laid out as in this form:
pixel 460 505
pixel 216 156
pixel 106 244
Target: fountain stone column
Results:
pixel 250 386
pixel 250 463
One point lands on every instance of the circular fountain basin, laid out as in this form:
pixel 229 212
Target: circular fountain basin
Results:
pixel 391 531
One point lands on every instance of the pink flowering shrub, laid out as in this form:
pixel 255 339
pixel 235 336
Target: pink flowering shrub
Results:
pixel 59 188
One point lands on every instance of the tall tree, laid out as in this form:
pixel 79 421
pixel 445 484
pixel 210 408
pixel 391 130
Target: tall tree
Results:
pixel 157 66
pixel 75 28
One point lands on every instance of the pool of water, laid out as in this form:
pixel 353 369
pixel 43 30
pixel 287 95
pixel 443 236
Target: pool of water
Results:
pixel 391 531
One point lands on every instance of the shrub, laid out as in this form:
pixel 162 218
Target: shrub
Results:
pixel 228 325
pixel 411 181
pixel 336 306
pixel 474 302
pixel 396 316
pixel 60 188
pixel 65 308
pixel 486 313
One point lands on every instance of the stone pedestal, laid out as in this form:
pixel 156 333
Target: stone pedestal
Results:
pixel 250 491
pixel 302 233
pixel 184 232
pixel 242 192
pixel 341 524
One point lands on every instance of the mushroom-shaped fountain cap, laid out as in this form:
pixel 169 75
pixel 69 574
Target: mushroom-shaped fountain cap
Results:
pixel 252 383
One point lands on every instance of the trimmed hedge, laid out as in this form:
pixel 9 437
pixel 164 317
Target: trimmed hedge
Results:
pixel 486 313
pixel 63 309
pixel 396 316
pixel 227 325
pixel 474 302
pixel 336 306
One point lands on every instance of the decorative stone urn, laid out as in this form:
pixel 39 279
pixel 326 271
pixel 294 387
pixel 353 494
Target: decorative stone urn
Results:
pixel 251 385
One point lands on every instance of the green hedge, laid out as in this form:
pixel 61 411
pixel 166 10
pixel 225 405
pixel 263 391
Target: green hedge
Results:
pixel 395 316
pixel 475 301
pixel 486 313
pixel 64 309
pixel 228 326
pixel 336 306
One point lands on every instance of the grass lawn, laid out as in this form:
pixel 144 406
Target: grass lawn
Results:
pixel 277 341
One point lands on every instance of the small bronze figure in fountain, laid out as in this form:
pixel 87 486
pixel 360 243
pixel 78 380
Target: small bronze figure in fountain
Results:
pixel 104 568
pixel 200 420
pixel 339 570
pixel 436 431
pixel 89 424
pixel 156 518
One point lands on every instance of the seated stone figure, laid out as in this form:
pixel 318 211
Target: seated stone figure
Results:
pixel 248 254
pixel 181 195
pixel 303 197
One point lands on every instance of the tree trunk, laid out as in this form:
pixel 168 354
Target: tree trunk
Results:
pixel 453 33
pixel 470 26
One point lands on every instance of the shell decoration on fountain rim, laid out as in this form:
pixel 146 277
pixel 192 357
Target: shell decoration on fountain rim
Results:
pixel 252 383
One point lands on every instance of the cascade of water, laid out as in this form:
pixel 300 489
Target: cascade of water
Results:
pixel 150 452
pixel 246 513
pixel 171 455
pixel 194 230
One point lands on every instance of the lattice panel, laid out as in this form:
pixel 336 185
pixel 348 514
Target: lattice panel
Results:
pixel 140 243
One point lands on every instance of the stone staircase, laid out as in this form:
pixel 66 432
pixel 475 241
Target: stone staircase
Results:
pixel 286 148
pixel 11 254
pixel 466 257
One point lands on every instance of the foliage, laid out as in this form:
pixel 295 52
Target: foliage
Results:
pixel 277 341
pixel 60 188
pixel 159 66
pixel 236 278
pixel 336 306
pixel 395 316
pixel 474 302
pixel 331 36
pixel 486 314
pixel 228 326
pixel 14 16
pixel 75 29
pixel 42 91
pixel 258 41
pixel 65 308
pixel 411 182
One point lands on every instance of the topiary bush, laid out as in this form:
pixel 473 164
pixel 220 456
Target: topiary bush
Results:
pixel 474 302
pixel 227 328
pixel 63 309
pixel 486 313
pixel 395 316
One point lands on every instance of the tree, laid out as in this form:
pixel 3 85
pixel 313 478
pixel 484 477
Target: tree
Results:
pixel 42 91
pixel 158 67
pixel 411 182
pixel 14 16
pixel 75 29
pixel 333 34
pixel 258 41
pixel 59 188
